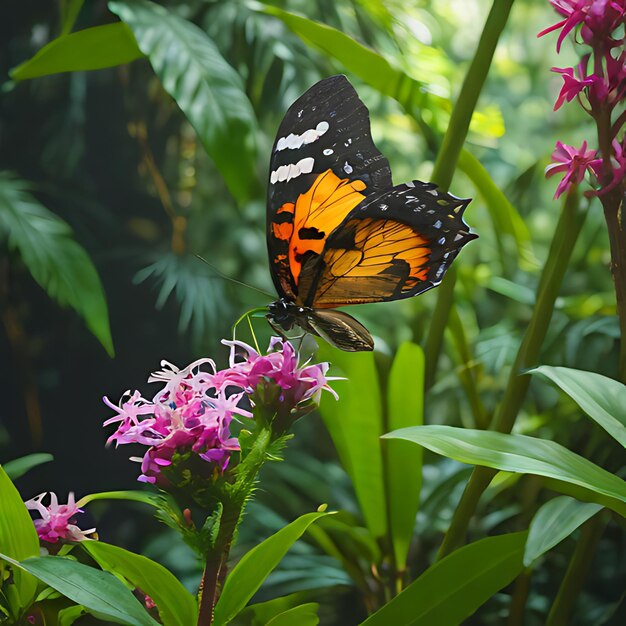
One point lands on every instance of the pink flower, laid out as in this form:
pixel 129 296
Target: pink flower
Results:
pixel 57 521
pixel 193 411
pixel 599 18
pixel 572 86
pixel 281 367
pixel 574 162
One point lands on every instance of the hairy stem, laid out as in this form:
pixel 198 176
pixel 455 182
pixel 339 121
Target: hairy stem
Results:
pixel 234 503
pixel 566 234
pixel 449 154
pixel 576 573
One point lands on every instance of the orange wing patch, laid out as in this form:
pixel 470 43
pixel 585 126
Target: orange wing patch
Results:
pixel 316 214
pixel 381 260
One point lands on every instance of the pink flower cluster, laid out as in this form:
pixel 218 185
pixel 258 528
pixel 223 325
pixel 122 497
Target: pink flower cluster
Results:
pixel 600 24
pixel 194 410
pixel 57 520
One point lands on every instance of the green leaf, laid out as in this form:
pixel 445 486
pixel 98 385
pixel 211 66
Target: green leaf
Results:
pixel 553 522
pixel 177 607
pixel 68 616
pixel 370 66
pixel 355 424
pixel 303 615
pixel 144 497
pixel 69 14
pixel 18 540
pixel 99 592
pixel 18 467
pixel 206 88
pixel 602 398
pixel 90 49
pixel 520 454
pixel 262 612
pixel 506 220
pixel 248 575
pixel 55 260
pixel 452 589
pixel 405 407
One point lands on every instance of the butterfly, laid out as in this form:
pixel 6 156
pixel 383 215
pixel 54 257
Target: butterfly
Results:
pixel 338 231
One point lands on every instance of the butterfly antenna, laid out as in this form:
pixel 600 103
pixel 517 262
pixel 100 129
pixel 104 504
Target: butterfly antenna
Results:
pixel 234 280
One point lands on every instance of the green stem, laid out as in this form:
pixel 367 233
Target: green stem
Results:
pixel 518 601
pixel 449 155
pixel 576 573
pixel 234 502
pixel 567 230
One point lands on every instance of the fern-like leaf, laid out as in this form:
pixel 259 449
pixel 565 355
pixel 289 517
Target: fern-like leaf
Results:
pixel 59 264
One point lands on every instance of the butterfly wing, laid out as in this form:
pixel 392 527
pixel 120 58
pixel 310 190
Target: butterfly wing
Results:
pixel 395 244
pixel 340 330
pixel 323 164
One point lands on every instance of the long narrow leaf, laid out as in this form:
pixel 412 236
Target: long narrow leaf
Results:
pixel 405 407
pixel 355 424
pixel 249 574
pixel 602 398
pixel 99 592
pixel 206 88
pixel 553 522
pixel 451 590
pixel 19 467
pixel 18 540
pixel 176 606
pixel 90 49
pixel 55 260
pixel 521 454
pixel 506 220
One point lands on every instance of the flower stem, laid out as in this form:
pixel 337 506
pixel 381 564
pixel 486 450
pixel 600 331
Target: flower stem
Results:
pixel 613 203
pixel 565 236
pixel 234 502
pixel 448 156
pixel 216 563
pixel 576 573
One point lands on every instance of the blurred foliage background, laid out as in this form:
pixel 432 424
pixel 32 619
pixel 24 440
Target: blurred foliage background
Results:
pixel 110 153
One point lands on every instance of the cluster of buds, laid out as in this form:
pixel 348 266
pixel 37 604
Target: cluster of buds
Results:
pixel 598 83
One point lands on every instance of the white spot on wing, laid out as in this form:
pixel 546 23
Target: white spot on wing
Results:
pixel 347 168
pixel 293 141
pixel 293 170
pixel 328 152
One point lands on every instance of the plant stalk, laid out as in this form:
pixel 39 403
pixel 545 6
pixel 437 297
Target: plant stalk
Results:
pixel 448 156
pixel 566 233
pixel 234 503
pixel 577 571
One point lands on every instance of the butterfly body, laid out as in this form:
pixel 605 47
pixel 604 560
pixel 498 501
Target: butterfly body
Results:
pixel 338 231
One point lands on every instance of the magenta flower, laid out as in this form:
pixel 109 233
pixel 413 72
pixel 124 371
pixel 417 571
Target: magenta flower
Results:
pixel 193 411
pixel 599 18
pixel 57 521
pixel 618 167
pixel 574 163
pixel 572 86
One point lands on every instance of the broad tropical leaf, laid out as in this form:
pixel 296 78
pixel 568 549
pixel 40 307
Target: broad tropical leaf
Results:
pixel 54 258
pixel 176 606
pixel 602 398
pixel 451 590
pixel 405 407
pixel 520 454
pixel 553 522
pixel 99 592
pixel 355 425
pixel 89 49
pixel 18 540
pixel 206 88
